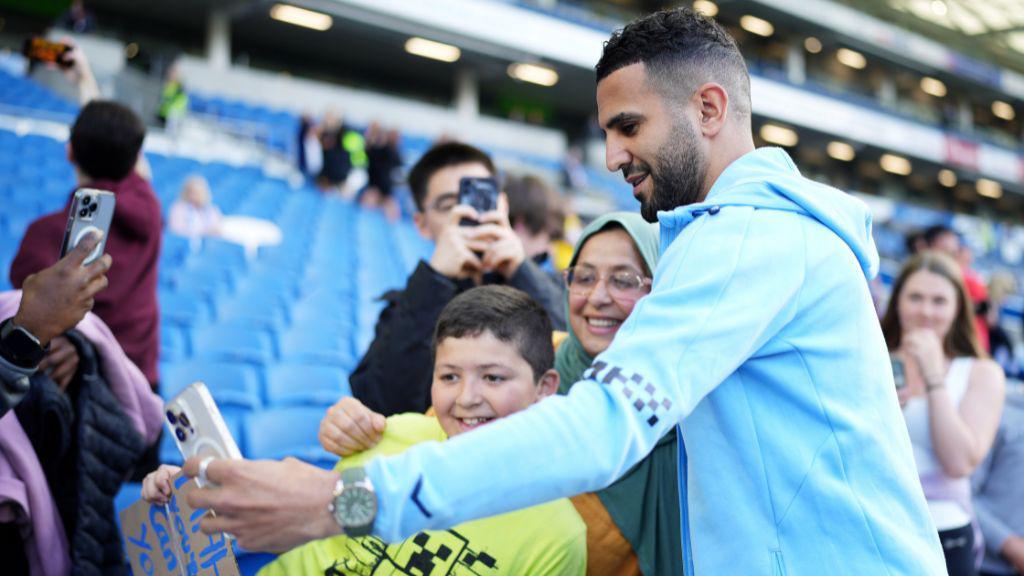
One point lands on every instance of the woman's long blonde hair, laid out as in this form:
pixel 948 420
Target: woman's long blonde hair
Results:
pixel 962 339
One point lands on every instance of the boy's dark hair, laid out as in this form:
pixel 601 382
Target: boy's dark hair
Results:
pixel 509 314
pixel 439 157
pixel 681 49
pixel 106 139
pixel 533 203
pixel 933 233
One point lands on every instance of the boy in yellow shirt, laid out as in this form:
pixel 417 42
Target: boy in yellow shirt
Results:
pixel 492 357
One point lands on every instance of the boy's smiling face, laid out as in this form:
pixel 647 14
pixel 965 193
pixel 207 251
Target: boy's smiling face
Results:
pixel 480 378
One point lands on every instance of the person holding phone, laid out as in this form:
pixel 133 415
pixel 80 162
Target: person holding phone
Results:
pixel 470 248
pixel 953 395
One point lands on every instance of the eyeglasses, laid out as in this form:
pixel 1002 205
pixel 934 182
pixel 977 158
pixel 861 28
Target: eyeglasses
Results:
pixel 621 284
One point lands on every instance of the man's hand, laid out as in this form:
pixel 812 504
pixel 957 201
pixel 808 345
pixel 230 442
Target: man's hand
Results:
pixel 505 253
pixel 454 251
pixel 61 362
pixel 1013 551
pixel 350 427
pixel 56 299
pixel 269 506
pixel 80 74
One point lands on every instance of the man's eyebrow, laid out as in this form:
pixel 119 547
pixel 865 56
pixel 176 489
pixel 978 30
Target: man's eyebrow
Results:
pixel 621 118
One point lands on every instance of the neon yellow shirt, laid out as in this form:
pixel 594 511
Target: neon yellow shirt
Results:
pixel 549 539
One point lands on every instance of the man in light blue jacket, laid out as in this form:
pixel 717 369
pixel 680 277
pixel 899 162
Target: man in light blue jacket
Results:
pixel 758 339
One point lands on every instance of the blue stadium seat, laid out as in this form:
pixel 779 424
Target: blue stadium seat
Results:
pixel 233 343
pixel 306 384
pixel 184 308
pixel 306 346
pixel 229 254
pixel 279 432
pixel 173 343
pixel 232 385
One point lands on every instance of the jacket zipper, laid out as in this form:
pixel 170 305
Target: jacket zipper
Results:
pixel 684 507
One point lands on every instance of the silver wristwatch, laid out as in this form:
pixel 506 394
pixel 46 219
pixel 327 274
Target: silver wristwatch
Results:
pixel 354 503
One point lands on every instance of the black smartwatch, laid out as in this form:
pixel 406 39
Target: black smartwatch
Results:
pixel 19 346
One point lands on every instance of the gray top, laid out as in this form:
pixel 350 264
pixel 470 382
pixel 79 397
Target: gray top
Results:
pixel 999 486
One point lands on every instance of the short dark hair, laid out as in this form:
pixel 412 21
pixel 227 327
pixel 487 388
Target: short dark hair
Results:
pixel 509 315
pixel 106 139
pixel 933 233
pixel 680 49
pixel 533 203
pixel 439 157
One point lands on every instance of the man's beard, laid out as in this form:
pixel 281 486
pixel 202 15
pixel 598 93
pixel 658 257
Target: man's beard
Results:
pixel 677 178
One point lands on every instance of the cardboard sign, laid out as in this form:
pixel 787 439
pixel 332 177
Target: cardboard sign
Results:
pixel 166 541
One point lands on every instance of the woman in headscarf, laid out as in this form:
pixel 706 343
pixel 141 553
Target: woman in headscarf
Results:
pixel 632 525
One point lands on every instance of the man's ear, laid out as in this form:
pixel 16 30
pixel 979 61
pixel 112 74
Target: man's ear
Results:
pixel 548 384
pixel 420 220
pixel 70 154
pixel 713 107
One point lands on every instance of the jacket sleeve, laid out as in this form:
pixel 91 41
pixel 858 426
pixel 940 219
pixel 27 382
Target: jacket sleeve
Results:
pixel 138 215
pixel 724 287
pixel 14 384
pixel 543 288
pixel 395 374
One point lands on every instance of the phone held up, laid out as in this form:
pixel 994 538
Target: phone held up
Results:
pixel 479 193
pixel 91 211
pixel 194 420
pixel 39 49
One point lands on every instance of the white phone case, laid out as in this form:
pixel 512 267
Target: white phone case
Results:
pixel 91 211
pixel 195 422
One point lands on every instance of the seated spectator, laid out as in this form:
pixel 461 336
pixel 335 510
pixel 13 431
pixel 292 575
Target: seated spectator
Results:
pixel 393 376
pixel 65 448
pixel 953 394
pixel 999 495
pixel 632 525
pixel 384 160
pixel 105 144
pixel 493 357
pixel 193 214
pixel 535 212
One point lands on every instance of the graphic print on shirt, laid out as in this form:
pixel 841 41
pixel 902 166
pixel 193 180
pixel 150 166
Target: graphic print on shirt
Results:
pixel 643 394
pixel 445 553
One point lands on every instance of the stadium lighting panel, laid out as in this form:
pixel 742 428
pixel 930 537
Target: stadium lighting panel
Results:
pixel 812 45
pixel 1003 110
pixel 775 134
pixel 840 151
pixel 947 178
pixel 301 17
pixel 989 188
pixel 895 164
pixel 851 58
pixel 756 25
pixel 433 50
pixel 533 73
pixel 706 7
pixel 933 86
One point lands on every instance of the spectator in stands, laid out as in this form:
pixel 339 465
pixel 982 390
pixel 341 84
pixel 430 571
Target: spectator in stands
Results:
pixel 77 19
pixel 343 153
pixel 384 160
pixel 632 525
pixel 193 214
pixel 953 394
pixel 535 212
pixel 310 150
pixel 105 144
pixel 574 174
pixel 173 100
pixel 493 357
pixel 394 375
pixel 52 302
pixel 944 239
pixel 999 494
pixel 1001 285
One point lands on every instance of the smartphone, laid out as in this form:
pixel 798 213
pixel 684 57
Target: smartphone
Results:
pixel 91 211
pixel 40 49
pixel 480 193
pixel 898 375
pixel 194 420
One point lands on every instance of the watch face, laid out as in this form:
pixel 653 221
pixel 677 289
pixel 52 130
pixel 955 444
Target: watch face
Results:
pixel 356 506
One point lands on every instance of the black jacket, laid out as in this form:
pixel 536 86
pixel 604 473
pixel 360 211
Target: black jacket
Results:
pixel 87 447
pixel 395 374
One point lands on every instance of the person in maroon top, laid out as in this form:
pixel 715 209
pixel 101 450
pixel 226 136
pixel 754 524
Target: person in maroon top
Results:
pixel 106 140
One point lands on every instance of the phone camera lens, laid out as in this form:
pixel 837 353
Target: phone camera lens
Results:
pixel 180 433
pixel 92 207
pixel 184 420
pixel 86 199
pixel 83 212
pixel 171 418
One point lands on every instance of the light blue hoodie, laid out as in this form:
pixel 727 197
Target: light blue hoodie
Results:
pixel 759 339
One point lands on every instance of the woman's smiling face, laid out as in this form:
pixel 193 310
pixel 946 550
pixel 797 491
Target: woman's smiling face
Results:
pixel 597 316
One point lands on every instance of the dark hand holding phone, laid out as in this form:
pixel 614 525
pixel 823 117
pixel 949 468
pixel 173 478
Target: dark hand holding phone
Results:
pixel 479 193
pixel 40 49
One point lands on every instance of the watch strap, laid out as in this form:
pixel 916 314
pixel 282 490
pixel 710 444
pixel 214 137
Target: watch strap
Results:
pixel 19 346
